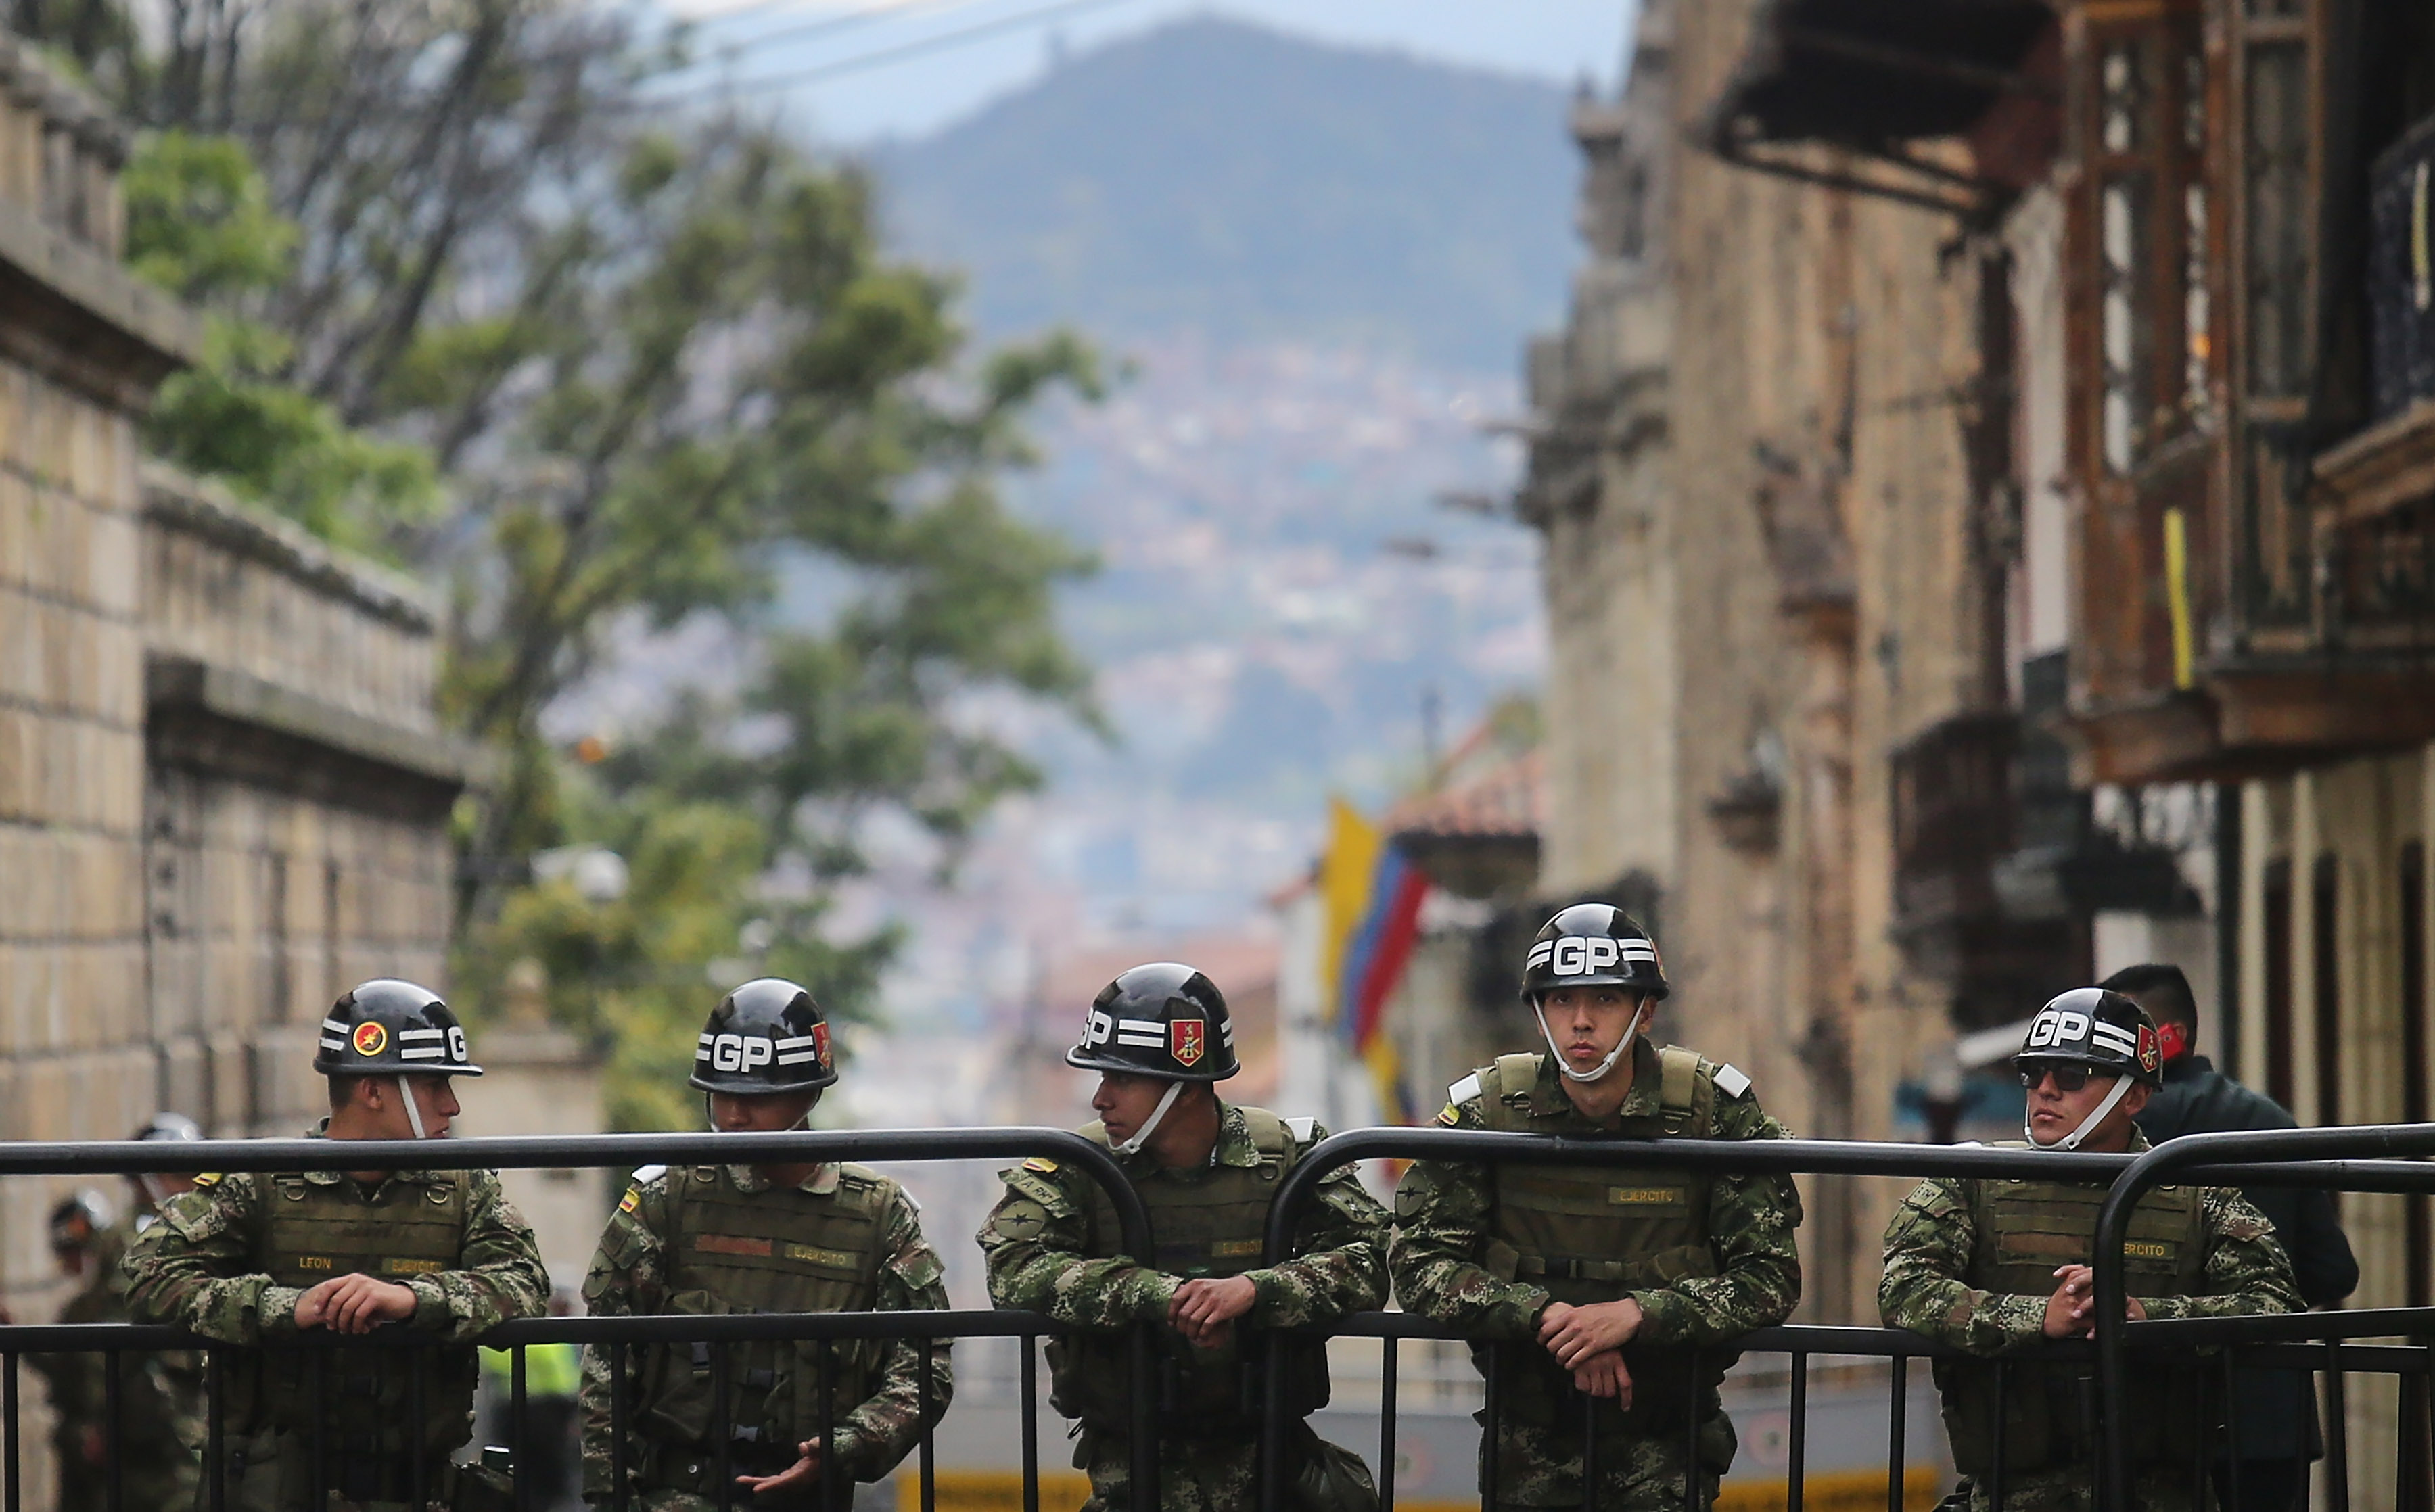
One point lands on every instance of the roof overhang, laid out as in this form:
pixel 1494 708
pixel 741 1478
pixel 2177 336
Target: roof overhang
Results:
pixel 1868 82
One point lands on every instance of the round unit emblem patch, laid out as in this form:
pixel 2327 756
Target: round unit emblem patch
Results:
pixel 370 1039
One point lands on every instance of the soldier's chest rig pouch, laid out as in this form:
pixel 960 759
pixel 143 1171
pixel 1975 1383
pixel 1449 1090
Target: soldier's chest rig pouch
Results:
pixel 2024 1231
pixel 1208 1222
pixel 345 1419
pixel 774 1251
pixel 1595 1234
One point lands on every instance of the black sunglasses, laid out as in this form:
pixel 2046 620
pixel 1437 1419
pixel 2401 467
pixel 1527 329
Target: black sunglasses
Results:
pixel 2066 1078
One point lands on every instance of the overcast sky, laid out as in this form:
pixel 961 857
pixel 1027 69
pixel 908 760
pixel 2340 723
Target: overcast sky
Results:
pixel 860 94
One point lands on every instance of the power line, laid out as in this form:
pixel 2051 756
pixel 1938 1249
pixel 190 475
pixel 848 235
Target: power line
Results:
pixel 848 21
pixel 884 55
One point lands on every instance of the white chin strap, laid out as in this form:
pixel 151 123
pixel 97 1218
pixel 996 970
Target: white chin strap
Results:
pixel 1149 1125
pixel 1630 1033
pixel 2088 1124
pixel 413 1113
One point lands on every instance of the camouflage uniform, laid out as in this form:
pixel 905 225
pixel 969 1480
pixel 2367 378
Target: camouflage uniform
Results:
pixel 1051 1250
pixel 632 1275
pixel 1446 1221
pixel 206 1267
pixel 1935 1245
pixel 161 1421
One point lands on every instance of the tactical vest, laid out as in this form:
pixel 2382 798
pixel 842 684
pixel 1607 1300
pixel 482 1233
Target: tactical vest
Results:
pixel 359 1401
pixel 1209 1222
pixel 2025 1230
pixel 774 1251
pixel 1595 1233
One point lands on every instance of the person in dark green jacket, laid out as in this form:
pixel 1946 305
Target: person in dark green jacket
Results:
pixel 2275 1411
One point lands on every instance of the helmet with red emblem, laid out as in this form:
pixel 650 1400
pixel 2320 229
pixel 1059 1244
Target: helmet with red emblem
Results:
pixel 1162 1019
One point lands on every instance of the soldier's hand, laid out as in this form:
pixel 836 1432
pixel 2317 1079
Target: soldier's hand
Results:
pixel 1572 1334
pixel 1603 1375
pixel 354 1304
pixel 2068 1310
pixel 800 1475
pixel 1202 1311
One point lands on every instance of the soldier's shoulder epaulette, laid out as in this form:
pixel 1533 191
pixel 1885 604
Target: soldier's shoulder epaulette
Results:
pixel 1301 1128
pixel 1731 1081
pixel 645 1175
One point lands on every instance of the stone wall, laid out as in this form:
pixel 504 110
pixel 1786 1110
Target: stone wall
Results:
pixel 223 791
pixel 295 812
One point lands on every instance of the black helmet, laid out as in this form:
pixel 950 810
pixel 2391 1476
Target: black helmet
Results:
pixel 390 1028
pixel 176 1127
pixel 1593 945
pixel 2105 1031
pixel 1161 1020
pixel 79 1219
pixel 768 1036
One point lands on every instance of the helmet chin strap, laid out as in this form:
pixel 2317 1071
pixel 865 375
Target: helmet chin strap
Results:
pixel 2088 1124
pixel 413 1113
pixel 1149 1125
pixel 1631 1032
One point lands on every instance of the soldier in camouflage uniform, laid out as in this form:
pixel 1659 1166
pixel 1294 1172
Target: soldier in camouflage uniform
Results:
pixel 1594 1285
pixel 161 1395
pixel 1207 1169
pixel 1997 1266
pixel 761 1239
pixel 258 1260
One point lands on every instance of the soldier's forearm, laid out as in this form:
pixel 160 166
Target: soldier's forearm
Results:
pixel 1318 1288
pixel 1470 1297
pixel 1092 1294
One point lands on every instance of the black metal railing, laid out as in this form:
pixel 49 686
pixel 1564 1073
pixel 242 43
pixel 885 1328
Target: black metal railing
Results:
pixel 617 1336
pixel 2323 1343
pixel 2249 1160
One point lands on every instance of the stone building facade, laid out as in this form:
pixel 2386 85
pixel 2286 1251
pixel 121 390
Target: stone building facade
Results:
pixel 223 791
pixel 1765 590
pixel 2046 513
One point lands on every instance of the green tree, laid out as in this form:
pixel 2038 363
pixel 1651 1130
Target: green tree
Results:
pixel 603 365
pixel 200 224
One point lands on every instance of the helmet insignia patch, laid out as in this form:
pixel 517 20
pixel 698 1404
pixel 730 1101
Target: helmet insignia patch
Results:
pixel 1187 1040
pixel 370 1039
pixel 2150 1053
pixel 820 1042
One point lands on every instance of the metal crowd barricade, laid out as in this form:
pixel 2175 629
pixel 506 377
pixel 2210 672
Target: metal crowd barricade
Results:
pixel 617 1335
pixel 2279 1159
pixel 2300 1342
pixel 2353 1159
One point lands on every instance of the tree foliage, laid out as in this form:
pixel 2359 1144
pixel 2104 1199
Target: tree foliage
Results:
pixel 604 368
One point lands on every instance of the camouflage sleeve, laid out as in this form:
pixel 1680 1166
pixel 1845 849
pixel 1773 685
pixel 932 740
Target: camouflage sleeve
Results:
pixel 191 1269
pixel 2248 1272
pixel 1927 1251
pixel 625 1280
pixel 500 1276
pixel 1752 1220
pixel 1339 1257
pixel 1033 1244
pixel 880 1432
pixel 1440 1233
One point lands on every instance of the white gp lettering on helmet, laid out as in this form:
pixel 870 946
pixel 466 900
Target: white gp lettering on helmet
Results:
pixel 2056 1026
pixel 456 1048
pixel 735 1052
pixel 1577 954
pixel 1098 1027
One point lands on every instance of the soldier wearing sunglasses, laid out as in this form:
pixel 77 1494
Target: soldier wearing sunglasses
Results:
pixel 1993 1266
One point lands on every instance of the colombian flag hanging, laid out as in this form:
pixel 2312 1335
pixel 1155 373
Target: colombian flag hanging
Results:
pixel 1369 956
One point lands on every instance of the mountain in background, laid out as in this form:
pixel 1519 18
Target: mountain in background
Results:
pixel 1221 177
